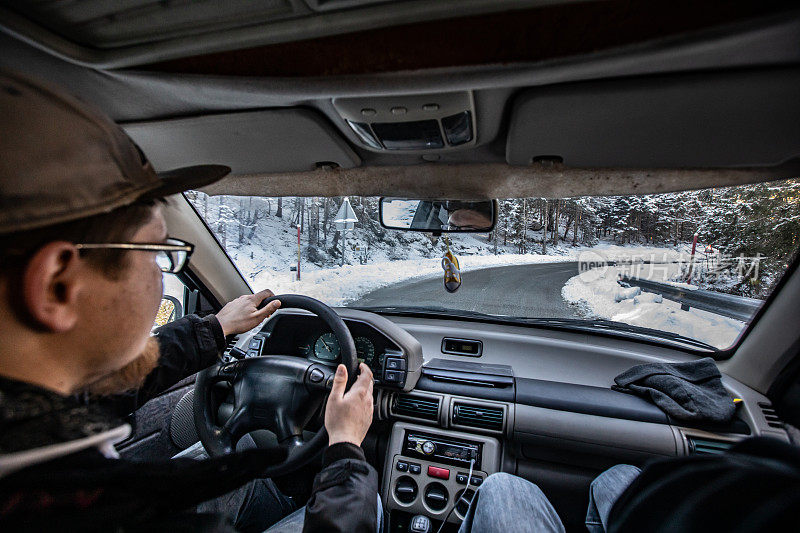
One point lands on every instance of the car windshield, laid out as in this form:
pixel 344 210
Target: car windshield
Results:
pixel 691 267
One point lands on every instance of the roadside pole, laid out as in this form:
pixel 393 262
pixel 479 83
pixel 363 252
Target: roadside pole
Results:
pixel 345 221
pixel 298 252
pixel 691 259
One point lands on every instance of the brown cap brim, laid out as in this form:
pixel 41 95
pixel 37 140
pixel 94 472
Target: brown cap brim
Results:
pixel 63 160
pixel 187 178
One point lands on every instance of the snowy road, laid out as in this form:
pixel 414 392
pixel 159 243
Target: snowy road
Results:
pixel 518 290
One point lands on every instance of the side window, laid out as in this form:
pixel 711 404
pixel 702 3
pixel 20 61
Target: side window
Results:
pixel 173 305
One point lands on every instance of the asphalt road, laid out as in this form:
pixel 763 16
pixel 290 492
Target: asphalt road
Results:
pixel 519 290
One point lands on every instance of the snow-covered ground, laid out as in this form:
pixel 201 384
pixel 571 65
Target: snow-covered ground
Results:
pixel 266 251
pixel 414 257
pixel 266 260
pixel 340 285
pixel 597 293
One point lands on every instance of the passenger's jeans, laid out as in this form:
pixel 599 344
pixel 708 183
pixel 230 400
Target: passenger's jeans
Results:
pixel 604 491
pixel 505 502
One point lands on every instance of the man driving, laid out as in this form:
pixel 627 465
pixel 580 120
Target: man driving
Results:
pixel 84 246
pixel 469 215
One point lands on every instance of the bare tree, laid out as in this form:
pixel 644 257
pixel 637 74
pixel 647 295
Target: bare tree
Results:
pixel 544 228
pixel 325 222
pixel 556 212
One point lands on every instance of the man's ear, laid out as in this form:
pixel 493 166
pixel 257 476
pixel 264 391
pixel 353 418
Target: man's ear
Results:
pixel 50 286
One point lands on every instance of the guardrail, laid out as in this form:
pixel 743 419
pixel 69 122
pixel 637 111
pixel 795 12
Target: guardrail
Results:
pixel 738 307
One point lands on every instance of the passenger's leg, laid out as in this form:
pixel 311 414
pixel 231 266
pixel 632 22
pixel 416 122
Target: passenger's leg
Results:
pixel 510 504
pixel 604 491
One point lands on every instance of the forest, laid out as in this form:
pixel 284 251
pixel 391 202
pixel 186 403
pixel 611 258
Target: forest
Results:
pixel 759 222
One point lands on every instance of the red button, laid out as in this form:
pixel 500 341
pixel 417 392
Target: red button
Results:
pixel 441 473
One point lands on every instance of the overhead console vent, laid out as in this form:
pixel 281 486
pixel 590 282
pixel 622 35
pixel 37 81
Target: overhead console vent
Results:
pixel 771 416
pixel 475 416
pixel 411 123
pixel 413 406
pixel 700 446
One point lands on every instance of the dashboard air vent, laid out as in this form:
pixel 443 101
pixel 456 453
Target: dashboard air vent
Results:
pixel 416 407
pixel 771 416
pixel 229 346
pixel 468 347
pixel 478 417
pixel 698 446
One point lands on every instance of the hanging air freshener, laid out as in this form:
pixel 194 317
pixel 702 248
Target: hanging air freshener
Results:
pixel 452 274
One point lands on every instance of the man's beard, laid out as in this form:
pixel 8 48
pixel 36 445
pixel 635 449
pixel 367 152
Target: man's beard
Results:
pixel 130 376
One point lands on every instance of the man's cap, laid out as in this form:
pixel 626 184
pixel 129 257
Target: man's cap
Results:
pixel 62 160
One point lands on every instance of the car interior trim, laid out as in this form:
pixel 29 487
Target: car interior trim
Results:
pixel 238 140
pixel 686 109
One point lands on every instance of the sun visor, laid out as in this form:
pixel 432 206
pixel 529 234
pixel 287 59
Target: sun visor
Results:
pixel 743 119
pixel 280 140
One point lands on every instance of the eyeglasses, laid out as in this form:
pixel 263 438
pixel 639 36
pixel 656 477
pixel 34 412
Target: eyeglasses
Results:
pixel 171 256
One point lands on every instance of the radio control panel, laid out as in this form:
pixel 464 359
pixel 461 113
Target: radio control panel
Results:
pixel 427 469
pixel 441 449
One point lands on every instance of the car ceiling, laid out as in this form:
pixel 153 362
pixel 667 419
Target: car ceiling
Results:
pixel 652 92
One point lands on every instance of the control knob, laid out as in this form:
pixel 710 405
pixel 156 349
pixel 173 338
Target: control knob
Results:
pixel 405 490
pixel 428 447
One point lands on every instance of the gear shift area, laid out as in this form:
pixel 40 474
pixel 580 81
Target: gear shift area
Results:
pixel 419 524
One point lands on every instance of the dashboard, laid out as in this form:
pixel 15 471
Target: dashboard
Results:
pixel 393 355
pixel 532 401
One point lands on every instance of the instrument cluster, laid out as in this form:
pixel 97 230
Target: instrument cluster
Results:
pixel 324 346
pixel 309 337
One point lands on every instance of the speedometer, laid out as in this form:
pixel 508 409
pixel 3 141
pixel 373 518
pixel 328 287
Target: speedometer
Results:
pixel 365 350
pixel 327 347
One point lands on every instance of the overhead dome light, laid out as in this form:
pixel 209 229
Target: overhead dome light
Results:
pixel 411 123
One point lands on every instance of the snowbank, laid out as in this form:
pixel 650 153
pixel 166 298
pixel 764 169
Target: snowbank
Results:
pixel 598 294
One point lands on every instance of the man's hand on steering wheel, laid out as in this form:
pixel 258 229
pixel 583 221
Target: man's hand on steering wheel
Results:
pixel 243 314
pixel 282 393
pixel 348 415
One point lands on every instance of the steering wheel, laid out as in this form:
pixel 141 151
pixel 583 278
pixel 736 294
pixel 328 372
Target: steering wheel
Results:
pixel 276 392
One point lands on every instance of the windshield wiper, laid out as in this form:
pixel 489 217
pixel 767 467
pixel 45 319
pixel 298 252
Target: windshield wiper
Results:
pixel 589 325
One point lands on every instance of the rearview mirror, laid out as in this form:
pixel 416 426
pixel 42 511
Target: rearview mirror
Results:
pixel 438 216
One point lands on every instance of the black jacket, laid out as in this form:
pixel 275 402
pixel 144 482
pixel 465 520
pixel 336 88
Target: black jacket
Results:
pixel 85 490
pixel 755 487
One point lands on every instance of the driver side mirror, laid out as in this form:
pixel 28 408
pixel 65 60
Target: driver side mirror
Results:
pixel 438 216
pixel 169 310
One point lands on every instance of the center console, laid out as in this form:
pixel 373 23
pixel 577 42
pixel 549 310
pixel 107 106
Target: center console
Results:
pixel 427 469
